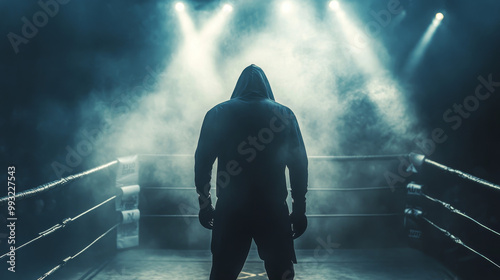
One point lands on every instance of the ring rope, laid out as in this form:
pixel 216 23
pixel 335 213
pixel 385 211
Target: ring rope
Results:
pixel 56 227
pixel 309 216
pixel 66 260
pixel 334 158
pixel 355 189
pixel 51 185
pixel 93 208
pixel 353 215
pixel 365 157
pixel 456 211
pixel 308 189
pixel 463 175
pixel 458 241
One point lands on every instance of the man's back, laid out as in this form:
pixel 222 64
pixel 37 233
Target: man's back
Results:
pixel 254 139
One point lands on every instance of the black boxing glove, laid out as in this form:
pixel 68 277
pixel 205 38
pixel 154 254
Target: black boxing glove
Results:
pixel 298 218
pixel 206 214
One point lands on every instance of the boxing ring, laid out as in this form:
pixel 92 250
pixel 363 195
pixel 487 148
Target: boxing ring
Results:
pixel 141 216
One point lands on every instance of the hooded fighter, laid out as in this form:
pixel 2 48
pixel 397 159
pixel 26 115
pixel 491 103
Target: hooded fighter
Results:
pixel 253 139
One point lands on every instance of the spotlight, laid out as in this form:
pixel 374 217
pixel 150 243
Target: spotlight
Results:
pixel 227 8
pixel 334 5
pixel 439 16
pixel 286 7
pixel 180 6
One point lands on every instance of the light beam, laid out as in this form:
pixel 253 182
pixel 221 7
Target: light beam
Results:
pixel 368 54
pixel 422 45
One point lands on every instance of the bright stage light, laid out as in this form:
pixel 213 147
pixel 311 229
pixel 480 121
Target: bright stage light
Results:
pixel 334 5
pixel 227 8
pixel 439 16
pixel 180 6
pixel 286 7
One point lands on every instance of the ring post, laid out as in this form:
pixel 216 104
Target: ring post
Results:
pixel 127 202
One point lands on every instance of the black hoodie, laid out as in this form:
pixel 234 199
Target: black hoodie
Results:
pixel 253 138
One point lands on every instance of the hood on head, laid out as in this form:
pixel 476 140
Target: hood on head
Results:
pixel 252 83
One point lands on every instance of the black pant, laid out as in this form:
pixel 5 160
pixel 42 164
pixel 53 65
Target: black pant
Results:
pixel 234 229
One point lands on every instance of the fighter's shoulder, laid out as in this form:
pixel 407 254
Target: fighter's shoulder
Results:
pixel 283 108
pixel 219 109
pixel 222 106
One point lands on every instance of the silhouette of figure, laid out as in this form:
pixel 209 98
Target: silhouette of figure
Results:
pixel 253 138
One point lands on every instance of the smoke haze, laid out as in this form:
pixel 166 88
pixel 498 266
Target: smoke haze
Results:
pixel 106 80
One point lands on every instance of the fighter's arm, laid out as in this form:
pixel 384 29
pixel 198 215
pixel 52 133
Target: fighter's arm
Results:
pixel 205 156
pixel 297 167
pixel 297 162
